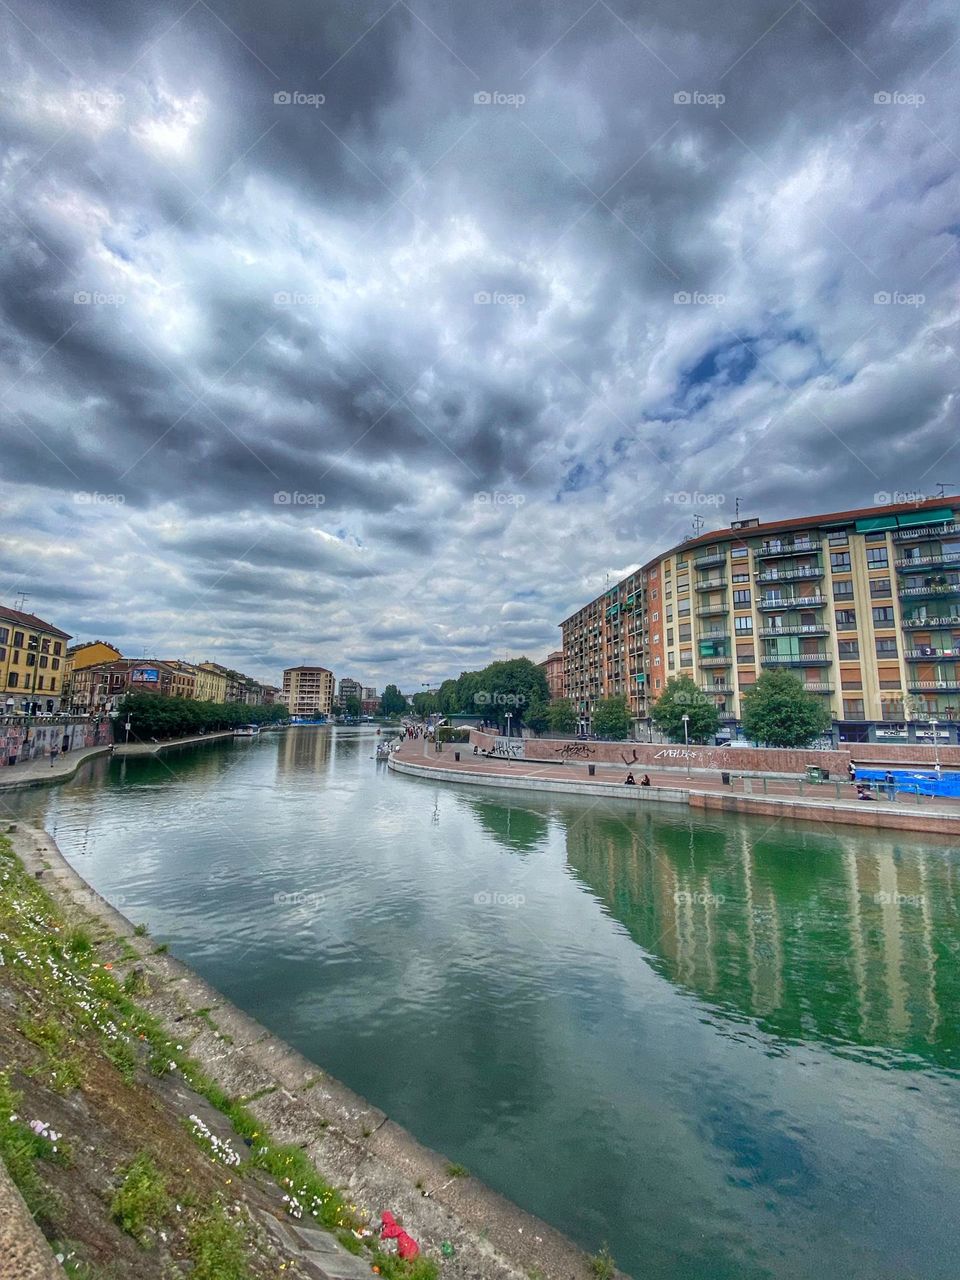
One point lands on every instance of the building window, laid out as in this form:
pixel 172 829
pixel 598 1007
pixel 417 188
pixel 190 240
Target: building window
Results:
pixel 13 679
pixel 877 535
pixel 4 635
pixel 838 538
pixel 853 708
pixel 741 599
pixel 846 619
pixel 840 561
pixel 883 616
pixel 886 646
pixel 738 553
pixel 741 577
pixel 848 648
pixel 843 589
pixel 880 588
pixel 743 625
pixel 877 558
pixel 44 660
pixel 57 647
pixel 31 659
pixel 18 639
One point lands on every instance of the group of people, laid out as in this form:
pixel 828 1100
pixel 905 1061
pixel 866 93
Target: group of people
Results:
pixel 630 781
pixel 865 789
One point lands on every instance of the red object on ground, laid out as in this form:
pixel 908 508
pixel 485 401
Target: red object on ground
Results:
pixel 390 1229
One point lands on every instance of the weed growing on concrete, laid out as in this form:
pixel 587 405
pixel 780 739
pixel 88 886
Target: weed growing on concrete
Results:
pixel 602 1264
pixel 140 1202
pixel 217 1246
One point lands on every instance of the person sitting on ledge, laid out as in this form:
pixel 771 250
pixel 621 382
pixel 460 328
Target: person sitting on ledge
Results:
pixel 864 792
pixel 645 780
pixel 629 780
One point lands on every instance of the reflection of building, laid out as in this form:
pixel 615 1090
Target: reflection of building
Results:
pixel 863 606
pixel 32 655
pixel 302 748
pixel 553 670
pixel 836 938
pixel 308 691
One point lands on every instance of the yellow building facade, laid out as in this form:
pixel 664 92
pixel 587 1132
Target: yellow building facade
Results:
pixel 32 663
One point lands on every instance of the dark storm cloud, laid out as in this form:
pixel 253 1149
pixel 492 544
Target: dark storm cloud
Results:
pixel 457 354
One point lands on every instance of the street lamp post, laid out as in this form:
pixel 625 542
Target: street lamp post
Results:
pixel 936 743
pixel 686 740
pixel 508 718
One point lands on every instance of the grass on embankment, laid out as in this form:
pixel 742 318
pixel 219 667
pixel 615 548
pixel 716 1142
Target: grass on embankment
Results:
pixel 120 1180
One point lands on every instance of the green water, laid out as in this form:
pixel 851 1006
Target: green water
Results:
pixel 727 1047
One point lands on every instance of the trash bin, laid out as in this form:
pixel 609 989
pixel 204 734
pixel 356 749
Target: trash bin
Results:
pixel 591 770
pixel 724 777
pixel 456 755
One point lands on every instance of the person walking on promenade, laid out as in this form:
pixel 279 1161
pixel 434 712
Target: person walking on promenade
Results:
pixel 851 771
pixel 54 752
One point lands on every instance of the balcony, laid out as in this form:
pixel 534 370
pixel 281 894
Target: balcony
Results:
pixel 796 660
pixel 715 662
pixel 932 623
pixel 926 531
pixel 767 550
pixel 939 560
pixel 791 575
pixel 717 688
pixel 710 560
pixel 711 584
pixel 934 686
pixel 806 629
pixel 818 686
pixel 791 602
pixel 717 634
pixel 928 652
pixel 712 610
pixel 930 589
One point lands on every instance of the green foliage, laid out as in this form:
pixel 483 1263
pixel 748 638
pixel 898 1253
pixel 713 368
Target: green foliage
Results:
pixel 451 733
pixel 153 715
pixel 778 712
pixel 393 1267
pixel 562 716
pixel 683 697
pixel 217 1246
pixel 424 704
pixel 611 719
pixel 602 1264
pixel 392 701
pixel 20 1149
pixel 536 717
pixel 141 1201
pixel 352 707
pixel 458 1171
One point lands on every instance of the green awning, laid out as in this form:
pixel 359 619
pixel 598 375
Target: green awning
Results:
pixel 913 518
pixel 876 522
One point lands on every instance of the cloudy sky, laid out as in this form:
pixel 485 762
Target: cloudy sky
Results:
pixel 378 334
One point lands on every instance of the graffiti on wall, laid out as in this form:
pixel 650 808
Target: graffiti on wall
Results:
pixel 575 751
pixel 512 748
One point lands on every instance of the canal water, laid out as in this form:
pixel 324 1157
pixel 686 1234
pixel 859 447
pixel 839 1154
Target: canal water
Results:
pixel 727 1047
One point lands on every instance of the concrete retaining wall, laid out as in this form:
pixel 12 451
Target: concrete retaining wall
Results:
pixel 612 790
pixel 772 760
pixel 20 741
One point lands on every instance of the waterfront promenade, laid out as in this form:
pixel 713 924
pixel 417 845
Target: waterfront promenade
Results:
pixel 702 789
pixel 39 771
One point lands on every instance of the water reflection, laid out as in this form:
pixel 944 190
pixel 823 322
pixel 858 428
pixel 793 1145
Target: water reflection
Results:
pixel 513 826
pixel 824 937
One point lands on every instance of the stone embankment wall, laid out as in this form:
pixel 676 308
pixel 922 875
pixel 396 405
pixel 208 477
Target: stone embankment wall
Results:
pixel 21 741
pixel 735 759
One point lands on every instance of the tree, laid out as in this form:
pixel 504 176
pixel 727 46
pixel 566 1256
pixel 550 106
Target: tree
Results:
pixel 682 697
pixel 424 704
pixel 392 701
pixel 562 716
pixel 611 719
pixel 510 688
pixel 536 717
pixel 779 712
pixel 352 707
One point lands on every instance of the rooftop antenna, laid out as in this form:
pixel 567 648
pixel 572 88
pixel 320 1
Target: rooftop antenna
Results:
pixel 22 598
pixel 737 511
pixel 944 484
pixel 697 525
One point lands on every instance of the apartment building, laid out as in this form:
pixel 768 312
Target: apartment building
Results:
pixel 32 658
pixel 863 605
pixel 348 688
pixel 308 691
pixel 553 670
